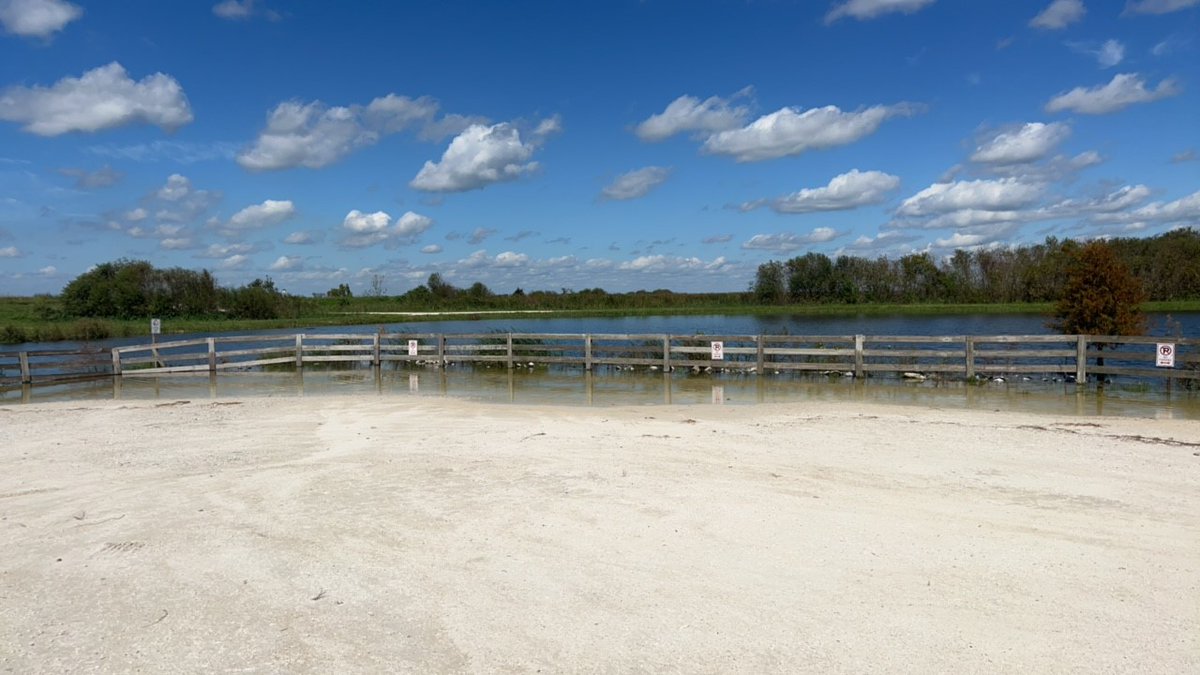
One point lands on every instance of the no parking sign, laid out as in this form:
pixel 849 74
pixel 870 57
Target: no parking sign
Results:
pixel 718 351
pixel 1165 356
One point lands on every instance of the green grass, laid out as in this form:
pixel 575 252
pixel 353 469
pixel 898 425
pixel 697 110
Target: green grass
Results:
pixel 24 319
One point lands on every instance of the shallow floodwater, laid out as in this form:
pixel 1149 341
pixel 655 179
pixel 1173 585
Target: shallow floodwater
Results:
pixel 609 387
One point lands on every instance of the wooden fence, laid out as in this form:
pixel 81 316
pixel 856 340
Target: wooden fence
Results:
pixel 1070 357
pixel 1065 357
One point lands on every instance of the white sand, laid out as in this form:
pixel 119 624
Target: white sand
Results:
pixel 434 535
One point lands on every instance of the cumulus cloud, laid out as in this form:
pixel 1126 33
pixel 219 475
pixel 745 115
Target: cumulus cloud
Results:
pixel 257 216
pixel 870 9
pixel 287 263
pixel 788 241
pixel 1028 143
pixel 848 191
pixel 690 114
pixel 983 195
pixel 105 176
pixel 10 252
pixel 104 98
pixel 634 184
pixel 178 201
pixel 1159 6
pixel 481 156
pixel 37 18
pixel 432 248
pixel 1123 91
pixel 1184 211
pixel 1059 14
pixel 368 229
pixel 789 131
pixel 1107 54
pixel 314 135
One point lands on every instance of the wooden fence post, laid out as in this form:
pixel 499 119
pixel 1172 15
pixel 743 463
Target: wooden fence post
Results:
pixel 376 361
pixel 212 355
pixel 23 357
pixel 969 348
pixel 858 356
pixel 760 356
pixel 509 353
pixel 1081 359
pixel 116 359
pixel 666 353
pixel 587 353
pixel 441 349
pixel 299 351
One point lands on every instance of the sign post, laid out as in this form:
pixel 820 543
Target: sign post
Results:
pixel 155 331
pixel 718 351
pixel 413 347
pixel 1164 357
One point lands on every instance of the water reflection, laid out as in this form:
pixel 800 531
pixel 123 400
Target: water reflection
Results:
pixel 609 387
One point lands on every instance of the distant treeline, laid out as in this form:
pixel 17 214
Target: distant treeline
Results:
pixel 1168 266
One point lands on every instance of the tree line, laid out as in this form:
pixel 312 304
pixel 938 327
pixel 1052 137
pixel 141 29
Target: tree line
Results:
pixel 1167 267
pixel 133 289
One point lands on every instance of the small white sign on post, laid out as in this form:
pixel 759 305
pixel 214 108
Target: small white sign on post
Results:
pixel 156 326
pixel 718 351
pixel 412 347
pixel 1165 356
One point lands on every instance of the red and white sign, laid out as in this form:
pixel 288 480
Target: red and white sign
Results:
pixel 718 351
pixel 1165 356
pixel 412 347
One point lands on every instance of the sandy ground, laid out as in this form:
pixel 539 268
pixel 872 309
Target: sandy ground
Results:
pixel 438 535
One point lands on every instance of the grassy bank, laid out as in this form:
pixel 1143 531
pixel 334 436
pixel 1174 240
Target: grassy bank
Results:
pixel 33 319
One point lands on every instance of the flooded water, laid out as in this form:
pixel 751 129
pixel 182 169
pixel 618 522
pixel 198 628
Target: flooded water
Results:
pixel 610 387
pixel 607 386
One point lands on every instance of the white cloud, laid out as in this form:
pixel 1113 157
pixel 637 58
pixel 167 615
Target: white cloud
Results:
pixel 37 18
pixel 788 241
pixel 634 184
pixel 10 252
pixel 269 213
pixel 177 187
pixel 104 98
pixel 1124 90
pixel 136 215
pixel 848 191
pixel 1182 211
pixel 1188 155
pixel 287 263
pixel 227 250
pixel 235 262
pixel 48 271
pixel 511 259
pixel 671 264
pixel 478 157
pixel 789 131
pixel 368 229
pixel 1110 53
pixel 1159 6
pixel 301 238
pixel 688 113
pixel 1030 142
pixel 985 195
pixel 870 9
pixel 1059 14
pixel 171 151
pixel 177 243
pixel 314 135
pixel 432 248
pixel 1118 200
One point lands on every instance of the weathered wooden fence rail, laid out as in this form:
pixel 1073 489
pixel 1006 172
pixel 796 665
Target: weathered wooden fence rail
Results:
pixel 969 356
pixel 53 366
pixel 1069 357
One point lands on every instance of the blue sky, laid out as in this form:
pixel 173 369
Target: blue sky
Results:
pixel 618 144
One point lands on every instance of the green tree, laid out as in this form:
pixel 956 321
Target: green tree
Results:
pixel 1100 295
